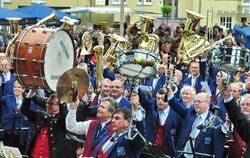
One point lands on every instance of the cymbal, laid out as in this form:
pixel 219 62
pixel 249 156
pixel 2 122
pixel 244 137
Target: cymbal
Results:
pixel 72 81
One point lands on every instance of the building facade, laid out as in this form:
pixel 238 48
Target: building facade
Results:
pixel 225 13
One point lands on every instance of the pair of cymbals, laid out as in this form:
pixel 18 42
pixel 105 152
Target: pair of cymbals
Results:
pixel 72 84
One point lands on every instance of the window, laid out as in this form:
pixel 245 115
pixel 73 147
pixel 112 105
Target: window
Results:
pixel 144 2
pixel 226 21
pixel 245 2
pixel 38 1
pixel 118 1
pixel 100 2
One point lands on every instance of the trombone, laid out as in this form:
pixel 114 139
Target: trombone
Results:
pixel 209 29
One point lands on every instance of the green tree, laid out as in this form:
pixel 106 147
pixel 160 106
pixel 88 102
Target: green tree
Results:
pixel 166 9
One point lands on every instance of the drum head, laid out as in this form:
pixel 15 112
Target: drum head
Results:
pixel 59 57
pixel 129 68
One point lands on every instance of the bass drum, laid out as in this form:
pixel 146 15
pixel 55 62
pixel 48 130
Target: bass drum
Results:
pixel 42 55
pixel 137 64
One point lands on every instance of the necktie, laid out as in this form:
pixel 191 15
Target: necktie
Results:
pixel 194 133
pixel 109 143
pixel 99 129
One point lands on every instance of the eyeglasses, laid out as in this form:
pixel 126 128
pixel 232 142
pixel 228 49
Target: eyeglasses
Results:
pixel 199 101
pixel 245 104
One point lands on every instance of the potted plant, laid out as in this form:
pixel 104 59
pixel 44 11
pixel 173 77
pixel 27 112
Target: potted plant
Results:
pixel 166 9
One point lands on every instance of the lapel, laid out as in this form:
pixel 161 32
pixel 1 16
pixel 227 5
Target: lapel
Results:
pixel 102 134
pixel 13 103
pixel 120 139
pixel 100 144
pixel 189 123
pixel 201 134
pixel 168 122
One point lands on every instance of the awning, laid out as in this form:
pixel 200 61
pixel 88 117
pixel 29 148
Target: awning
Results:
pixel 107 10
pixel 7 13
pixel 41 12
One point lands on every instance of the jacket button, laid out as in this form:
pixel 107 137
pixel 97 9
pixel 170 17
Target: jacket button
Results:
pixel 54 148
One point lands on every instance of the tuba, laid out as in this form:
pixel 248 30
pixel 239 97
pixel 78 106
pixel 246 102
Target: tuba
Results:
pixel 149 42
pixel 118 45
pixel 193 45
pixel 14 32
pixel 191 42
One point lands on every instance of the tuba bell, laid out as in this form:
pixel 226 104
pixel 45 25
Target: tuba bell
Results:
pixel 50 18
pixel 68 24
pixel 14 32
pixel 149 41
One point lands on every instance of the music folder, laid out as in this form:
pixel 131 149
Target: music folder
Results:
pixel 11 152
pixel 12 121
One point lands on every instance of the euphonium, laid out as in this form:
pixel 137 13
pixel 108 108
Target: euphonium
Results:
pixel 50 18
pixel 118 45
pixel 14 32
pixel 99 63
pixel 86 42
pixel 149 41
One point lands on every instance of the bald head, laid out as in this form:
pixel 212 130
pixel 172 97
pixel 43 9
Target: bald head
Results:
pixel 201 103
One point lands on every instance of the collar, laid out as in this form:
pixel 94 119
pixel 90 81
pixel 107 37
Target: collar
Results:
pixel 119 99
pixel 165 111
pixel 104 123
pixel 203 115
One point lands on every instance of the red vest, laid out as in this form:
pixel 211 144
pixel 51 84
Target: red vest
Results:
pixel 237 147
pixel 41 148
pixel 89 148
pixel 100 154
pixel 159 134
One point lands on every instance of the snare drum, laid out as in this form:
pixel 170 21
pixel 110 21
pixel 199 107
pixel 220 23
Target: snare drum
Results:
pixel 231 59
pixel 42 55
pixel 137 63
